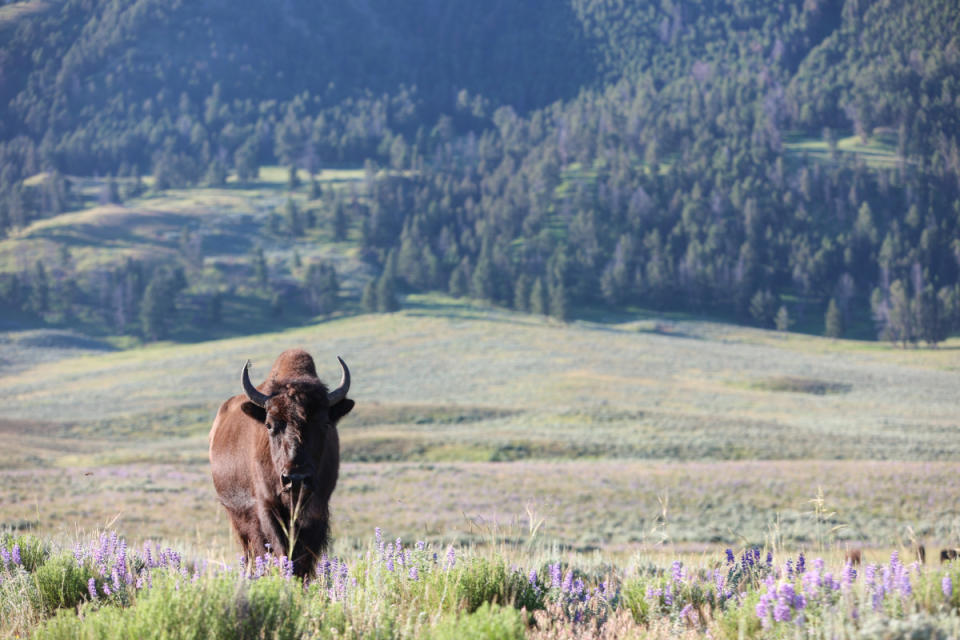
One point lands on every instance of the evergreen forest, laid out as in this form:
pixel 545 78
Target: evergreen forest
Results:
pixel 783 164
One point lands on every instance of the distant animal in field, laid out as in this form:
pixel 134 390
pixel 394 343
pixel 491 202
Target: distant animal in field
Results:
pixel 947 554
pixel 275 456
pixel 854 557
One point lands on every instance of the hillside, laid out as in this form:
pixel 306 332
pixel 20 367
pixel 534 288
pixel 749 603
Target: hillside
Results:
pixel 453 396
pixel 773 165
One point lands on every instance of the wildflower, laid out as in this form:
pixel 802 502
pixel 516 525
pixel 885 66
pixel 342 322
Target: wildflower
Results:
pixel 451 557
pixel 259 566
pixel 769 558
pixel 781 612
pixel 903 584
pixel 730 558
pixel 567 582
pixel 555 575
pixel 801 563
pixel 676 571
pixel 848 576
pixel 947 586
pixel 421 545
pixel 414 574
pixel 92 588
pixel 532 577
pixel 789 566
pixel 389 563
pixel 5 557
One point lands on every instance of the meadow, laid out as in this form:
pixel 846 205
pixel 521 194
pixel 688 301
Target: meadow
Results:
pixel 612 448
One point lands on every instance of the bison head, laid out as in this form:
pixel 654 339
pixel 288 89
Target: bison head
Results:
pixel 299 415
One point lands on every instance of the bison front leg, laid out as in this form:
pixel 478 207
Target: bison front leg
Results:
pixel 269 536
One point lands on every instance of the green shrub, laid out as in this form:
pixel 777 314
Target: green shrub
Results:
pixel 488 622
pixel 33 551
pixel 485 581
pixel 214 607
pixel 61 583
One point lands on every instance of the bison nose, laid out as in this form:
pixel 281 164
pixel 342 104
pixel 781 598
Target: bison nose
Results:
pixel 295 479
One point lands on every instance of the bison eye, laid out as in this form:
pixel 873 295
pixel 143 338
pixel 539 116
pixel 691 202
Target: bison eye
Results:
pixel 276 427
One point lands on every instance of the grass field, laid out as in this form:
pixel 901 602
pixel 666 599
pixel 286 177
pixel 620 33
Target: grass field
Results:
pixel 617 436
pixel 878 152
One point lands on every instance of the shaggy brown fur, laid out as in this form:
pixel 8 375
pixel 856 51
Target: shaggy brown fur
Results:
pixel 253 450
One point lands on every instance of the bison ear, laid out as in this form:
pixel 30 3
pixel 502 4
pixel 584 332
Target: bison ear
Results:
pixel 340 409
pixel 257 413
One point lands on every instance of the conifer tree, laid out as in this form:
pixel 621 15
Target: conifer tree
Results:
pixel 833 320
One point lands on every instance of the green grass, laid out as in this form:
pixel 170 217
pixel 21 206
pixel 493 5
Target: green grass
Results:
pixel 490 416
pixel 878 152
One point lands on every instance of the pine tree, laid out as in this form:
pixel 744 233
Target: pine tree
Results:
pixel 783 321
pixel 386 294
pixel 763 307
pixel 339 221
pixel 833 320
pixel 369 299
pixel 521 293
pixel 558 301
pixel 39 301
pixel 538 298
pixel 159 302
pixel 258 263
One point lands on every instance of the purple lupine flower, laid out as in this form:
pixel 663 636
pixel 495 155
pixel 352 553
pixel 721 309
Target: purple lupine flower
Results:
pixel 451 557
pixel 578 588
pixel 676 571
pixel 389 563
pixel 414 574
pixel 769 558
pixel 903 583
pixel 781 612
pixel 92 588
pixel 947 586
pixel 869 575
pixel 730 558
pixel 532 577
pixel 801 563
pixel 259 566
pixel 567 582
pixel 555 575
pixel 762 608
pixel 5 556
pixel 15 555
pixel 686 611
pixel 115 576
pixel 106 590
pixel 789 567
pixel 421 545
pixel 848 576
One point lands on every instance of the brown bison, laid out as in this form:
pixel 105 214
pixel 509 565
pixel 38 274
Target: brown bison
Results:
pixel 275 454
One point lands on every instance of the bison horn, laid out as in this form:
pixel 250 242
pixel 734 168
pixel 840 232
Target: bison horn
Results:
pixel 340 392
pixel 257 398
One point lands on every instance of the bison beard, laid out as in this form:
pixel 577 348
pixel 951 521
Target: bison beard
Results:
pixel 274 457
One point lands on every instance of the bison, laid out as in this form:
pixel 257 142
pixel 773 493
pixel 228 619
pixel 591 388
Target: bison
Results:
pixel 275 455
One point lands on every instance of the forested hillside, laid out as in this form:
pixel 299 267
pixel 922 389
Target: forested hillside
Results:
pixel 795 164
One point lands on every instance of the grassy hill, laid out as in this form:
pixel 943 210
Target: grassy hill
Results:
pixel 468 416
